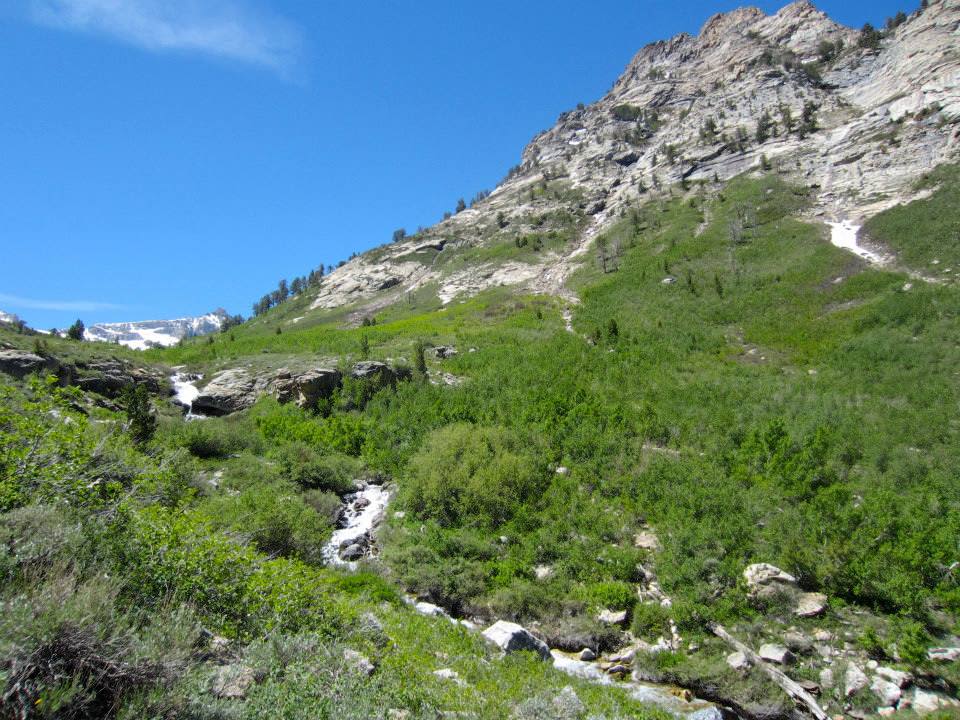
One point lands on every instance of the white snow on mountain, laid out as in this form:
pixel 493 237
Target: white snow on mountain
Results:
pixel 155 333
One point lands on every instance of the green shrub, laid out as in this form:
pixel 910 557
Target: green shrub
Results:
pixel 303 465
pixel 650 620
pixel 213 438
pixel 276 519
pixel 614 595
pixel 467 474
pixel 344 433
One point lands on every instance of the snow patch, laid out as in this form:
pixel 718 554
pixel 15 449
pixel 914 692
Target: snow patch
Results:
pixel 845 235
pixel 155 333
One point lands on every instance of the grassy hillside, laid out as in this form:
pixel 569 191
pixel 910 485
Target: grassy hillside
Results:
pixel 769 400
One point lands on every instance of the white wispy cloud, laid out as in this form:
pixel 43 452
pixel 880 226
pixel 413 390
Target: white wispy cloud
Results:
pixel 221 28
pixel 63 305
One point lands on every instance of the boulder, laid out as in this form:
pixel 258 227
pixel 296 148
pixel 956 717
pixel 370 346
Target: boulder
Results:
pixel 944 654
pixel 899 678
pixel 826 679
pixel 924 702
pixel 358 662
pixel 646 540
pixel 738 661
pixel 761 575
pixel 511 637
pixel 352 552
pixel 888 692
pixel 19 364
pixel 854 680
pixel 370 369
pixel 587 655
pixel 111 377
pixel 771 652
pixel 231 682
pixel 613 617
pixel 306 389
pixel 810 605
pixel 228 392
pixel 444 352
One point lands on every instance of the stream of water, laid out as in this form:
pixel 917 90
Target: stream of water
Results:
pixel 185 392
pixel 363 512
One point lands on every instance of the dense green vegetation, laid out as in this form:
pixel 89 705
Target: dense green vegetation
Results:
pixel 753 396
pixel 926 233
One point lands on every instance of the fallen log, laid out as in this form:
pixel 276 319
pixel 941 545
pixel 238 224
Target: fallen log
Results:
pixel 789 686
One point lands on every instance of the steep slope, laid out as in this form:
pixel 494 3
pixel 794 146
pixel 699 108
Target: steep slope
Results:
pixel 857 125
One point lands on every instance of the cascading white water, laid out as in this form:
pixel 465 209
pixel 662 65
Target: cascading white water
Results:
pixel 364 510
pixel 185 392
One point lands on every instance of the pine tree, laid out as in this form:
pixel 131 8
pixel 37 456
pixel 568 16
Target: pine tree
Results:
pixel 764 123
pixel 75 331
pixel 141 422
pixel 420 359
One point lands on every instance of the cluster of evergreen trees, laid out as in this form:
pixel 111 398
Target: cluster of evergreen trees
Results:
pixel 285 290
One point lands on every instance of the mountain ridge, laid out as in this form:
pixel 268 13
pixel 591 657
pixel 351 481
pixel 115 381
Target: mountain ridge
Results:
pixel 686 111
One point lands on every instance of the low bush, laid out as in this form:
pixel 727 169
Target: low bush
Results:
pixel 466 475
pixel 304 465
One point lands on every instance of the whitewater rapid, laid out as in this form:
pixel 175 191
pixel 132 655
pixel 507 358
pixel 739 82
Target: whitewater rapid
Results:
pixel 363 511
pixel 185 392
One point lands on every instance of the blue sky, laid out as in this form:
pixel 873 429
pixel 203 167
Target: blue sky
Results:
pixel 161 158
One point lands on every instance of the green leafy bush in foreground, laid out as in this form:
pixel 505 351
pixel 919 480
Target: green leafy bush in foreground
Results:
pixel 466 474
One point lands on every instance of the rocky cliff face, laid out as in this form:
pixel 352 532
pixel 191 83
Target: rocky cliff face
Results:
pixel 153 333
pixel 697 108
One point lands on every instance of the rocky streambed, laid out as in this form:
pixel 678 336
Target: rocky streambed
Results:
pixel 363 512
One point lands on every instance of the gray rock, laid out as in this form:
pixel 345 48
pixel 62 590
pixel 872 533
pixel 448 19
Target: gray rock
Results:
pixel 761 575
pixel 811 605
pixel 352 552
pixel 306 389
pixel 511 637
pixel 771 652
pixel 797 642
pixel 888 692
pixel 228 392
pixel 826 679
pixel 19 364
pixel 854 680
pixel 368 369
pixel 444 352
pixel 358 662
pixel 924 702
pixel 899 678
pixel 738 661
pixel 944 654
pixel 613 617
pixel 587 655
pixel 450 674
pixel 231 682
